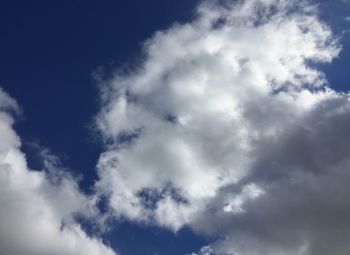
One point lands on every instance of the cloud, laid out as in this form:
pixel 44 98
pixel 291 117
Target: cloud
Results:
pixel 37 208
pixel 206 250
pixel 304 174
pixel 228 127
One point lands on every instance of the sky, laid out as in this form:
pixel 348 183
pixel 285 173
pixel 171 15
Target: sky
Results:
pixel 174 127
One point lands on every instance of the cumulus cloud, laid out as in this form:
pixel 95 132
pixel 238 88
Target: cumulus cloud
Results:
pixel 228 127
pixel 304 173
pixel 37 207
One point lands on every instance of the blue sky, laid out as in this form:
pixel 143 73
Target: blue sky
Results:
pixel 55 47
pixel 49 51
pixel 50 56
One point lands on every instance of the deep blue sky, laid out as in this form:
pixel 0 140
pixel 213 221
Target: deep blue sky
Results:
pixel 48 52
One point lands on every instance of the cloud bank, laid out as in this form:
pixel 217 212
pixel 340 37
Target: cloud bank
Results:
pixel 228 127
pixel 37 207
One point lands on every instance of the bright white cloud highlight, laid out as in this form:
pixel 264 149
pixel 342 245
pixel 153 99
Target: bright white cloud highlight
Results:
pixel 227 127
pixel 36 209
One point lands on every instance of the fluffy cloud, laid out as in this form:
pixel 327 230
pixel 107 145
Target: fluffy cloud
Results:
pixel 228 127
pixel 37 207
pixel 304 173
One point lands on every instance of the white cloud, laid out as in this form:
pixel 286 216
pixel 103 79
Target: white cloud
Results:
pixel 206 250
pixel 227 127
pixel 36 210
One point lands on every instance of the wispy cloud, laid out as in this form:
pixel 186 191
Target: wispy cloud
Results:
pixel 37 207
